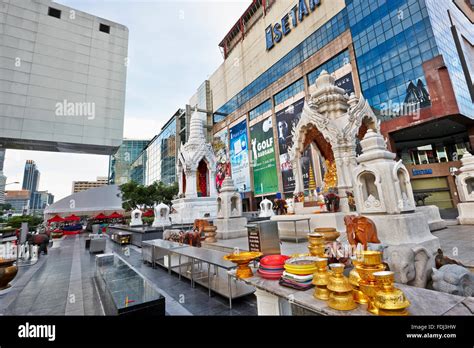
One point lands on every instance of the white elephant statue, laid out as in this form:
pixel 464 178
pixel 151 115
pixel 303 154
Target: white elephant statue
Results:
pixel 453 279
pixel 411 266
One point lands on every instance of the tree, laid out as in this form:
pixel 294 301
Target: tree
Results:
pixel 16 221
pixel 134 194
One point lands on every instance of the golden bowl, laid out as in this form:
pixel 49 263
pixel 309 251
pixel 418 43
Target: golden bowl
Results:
pixel 337 281
pixel 366 272
pixel 321 263
pixel 242 260
pixel 301 265
pixel 388 297
pixel 8 271
pixel 359 296
pixel 341 301
pixel 316 250
pixel 321 293
pixel 315 239
pixel 330 234
pixel 371 257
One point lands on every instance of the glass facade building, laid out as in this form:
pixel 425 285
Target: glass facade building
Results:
pixel 161 156
pixel 120 163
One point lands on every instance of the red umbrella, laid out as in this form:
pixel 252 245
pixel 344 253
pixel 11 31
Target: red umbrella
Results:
pixel 56 218
pixel 72 217
pixel 148 213
pixel 115 215
pixel 101 216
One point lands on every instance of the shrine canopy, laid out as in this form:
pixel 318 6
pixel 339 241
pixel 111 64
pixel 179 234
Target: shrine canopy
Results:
pixel 72 218
pixel 115 215
pixel 56 218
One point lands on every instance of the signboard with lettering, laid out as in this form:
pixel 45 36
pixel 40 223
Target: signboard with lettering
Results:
pixel 254 239
pixel 422 171
pixel 275 33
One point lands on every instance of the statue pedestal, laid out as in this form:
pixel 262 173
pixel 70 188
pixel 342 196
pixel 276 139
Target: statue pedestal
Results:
pixel 405 229
pixel 190 209
pixel 286 223
pixel 231 228
pixel 431 213
pixel 466 213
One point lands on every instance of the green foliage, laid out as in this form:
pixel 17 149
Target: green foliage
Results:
pixel 147 220
pixel 16 221
pixel 134 194
pixel 5 206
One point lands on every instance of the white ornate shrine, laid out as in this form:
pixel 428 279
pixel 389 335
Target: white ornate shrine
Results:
pixel 331 123
pixel 383 193
pixel 162 215
pixel 196 176
pixel 230 223
pixel 136 218
pixel 266 208
pixel 465 186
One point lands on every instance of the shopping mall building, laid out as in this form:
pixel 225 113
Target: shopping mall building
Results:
pixel 413 60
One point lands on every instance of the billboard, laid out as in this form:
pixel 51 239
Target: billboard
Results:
pixel 265 178
pixel 219 145
pixel 239 156
pixel 286 121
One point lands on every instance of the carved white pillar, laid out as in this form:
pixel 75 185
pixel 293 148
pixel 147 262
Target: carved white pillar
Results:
pixel 191 184
pixel 344 155
pixel 180 181
pixel 299 183
pixel 212 183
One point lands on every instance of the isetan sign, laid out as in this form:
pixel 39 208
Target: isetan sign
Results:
pixel 275 33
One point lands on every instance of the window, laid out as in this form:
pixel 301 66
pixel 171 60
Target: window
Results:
pixel 54 12
pixel 104 28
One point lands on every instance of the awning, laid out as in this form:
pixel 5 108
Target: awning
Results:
pixel 72 217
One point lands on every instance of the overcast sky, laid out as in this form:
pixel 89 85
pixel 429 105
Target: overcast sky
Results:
pixel 173 48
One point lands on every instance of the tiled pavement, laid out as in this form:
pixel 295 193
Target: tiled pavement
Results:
pixel 61 283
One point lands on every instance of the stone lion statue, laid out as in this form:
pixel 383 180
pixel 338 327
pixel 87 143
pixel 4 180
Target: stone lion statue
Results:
pixel 453 279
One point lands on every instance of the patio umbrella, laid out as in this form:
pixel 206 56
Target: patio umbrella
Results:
pixel 72 217
pixel 148 213
pixel 56 218
pixel 115 215
pixel 101 216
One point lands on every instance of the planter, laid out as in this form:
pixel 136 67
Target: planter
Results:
pixel 8 271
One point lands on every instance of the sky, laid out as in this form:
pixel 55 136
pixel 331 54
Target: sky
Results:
pixel 173 48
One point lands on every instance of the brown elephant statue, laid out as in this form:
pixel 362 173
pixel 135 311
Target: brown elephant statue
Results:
pixel 360 230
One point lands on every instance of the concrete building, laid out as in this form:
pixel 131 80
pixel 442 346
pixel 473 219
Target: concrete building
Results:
pixel 3 178
pixel 19 200
pixel 31 178
pixel 39 201
pixel 78 186
pixel 62 78
pixel 411 59
pixel 121 161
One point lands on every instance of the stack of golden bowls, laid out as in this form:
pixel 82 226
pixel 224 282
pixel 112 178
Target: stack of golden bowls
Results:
pixel 316 244
pixel 354 279
pixel 371 263
pixel 320 279
pixel 340 296
pixel 388 299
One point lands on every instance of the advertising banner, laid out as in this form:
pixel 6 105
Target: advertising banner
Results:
pixel 265 178
pixel 219 145
pixel 239 156
pixel 286 121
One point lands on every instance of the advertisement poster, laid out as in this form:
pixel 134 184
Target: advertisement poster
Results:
pixel 265 177
pixel 286 121
pixel 239 156
pixel 347 83
pixel 219 145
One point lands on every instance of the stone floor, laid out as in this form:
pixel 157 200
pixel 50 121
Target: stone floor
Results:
pixel 61 283
pixel 457 242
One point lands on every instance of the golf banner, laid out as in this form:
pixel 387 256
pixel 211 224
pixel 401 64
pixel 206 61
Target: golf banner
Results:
pixel 239 156
pixel 265 178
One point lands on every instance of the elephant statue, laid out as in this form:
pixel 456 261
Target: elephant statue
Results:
pixel 360 230
pixel 412 266
pixel 453 279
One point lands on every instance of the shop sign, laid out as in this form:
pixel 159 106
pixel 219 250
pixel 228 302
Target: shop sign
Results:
pixel 275 33
pixel 422 171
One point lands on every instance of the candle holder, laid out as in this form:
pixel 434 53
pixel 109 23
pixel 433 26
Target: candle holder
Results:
pixel 371 263
pixel 340 297
pixel 320 279
pixel 316 244
pixel 354 279
pixel 388 299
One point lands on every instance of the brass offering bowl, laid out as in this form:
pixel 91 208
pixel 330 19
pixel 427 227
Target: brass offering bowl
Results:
pixel 371 263
pixel 388 299
pixel 354 279
pixel 316 244
pixel 341 297
pixel 8 271
pixel 371 257
pixel 320 279
pixel 242 260
pixel 330 234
